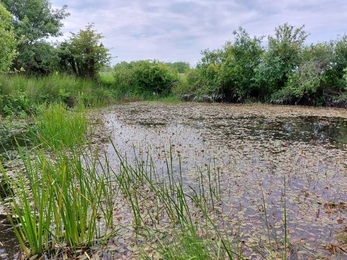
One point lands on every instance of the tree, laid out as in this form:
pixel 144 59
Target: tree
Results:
pixel 230 71
pixel 83 54
pixel 7 40
pixel 307 82
pixel 282 57
pixel 208 69
pixel 33 21
pixel 334 76
pixel 242 56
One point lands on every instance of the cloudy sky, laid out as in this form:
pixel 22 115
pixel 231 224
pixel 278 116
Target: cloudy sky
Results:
pixel 177 30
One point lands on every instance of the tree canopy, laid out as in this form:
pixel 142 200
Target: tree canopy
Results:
pixel 33 22
pixel 286 71
pixel 8 42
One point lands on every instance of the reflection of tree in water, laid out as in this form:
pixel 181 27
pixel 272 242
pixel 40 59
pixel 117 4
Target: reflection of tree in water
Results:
pixel 325 130
pixel 304 129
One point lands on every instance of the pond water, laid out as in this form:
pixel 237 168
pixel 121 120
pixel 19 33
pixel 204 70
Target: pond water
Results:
pixel 265 154
pixel 259 150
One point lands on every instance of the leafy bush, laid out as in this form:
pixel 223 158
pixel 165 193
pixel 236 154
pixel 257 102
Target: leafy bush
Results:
pixel 230 71
pixel 145 77
pixel 154 76
pixel 179 66
pixel 124 78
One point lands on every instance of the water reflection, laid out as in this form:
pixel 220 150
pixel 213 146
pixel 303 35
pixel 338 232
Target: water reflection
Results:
pixel 320 130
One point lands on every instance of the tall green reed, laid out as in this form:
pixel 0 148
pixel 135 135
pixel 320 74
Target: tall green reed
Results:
pixel 27 212
pixel 60 201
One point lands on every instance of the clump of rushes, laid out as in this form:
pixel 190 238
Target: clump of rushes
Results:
pixel 59 204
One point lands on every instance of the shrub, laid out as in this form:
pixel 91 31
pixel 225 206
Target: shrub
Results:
pixel 144 77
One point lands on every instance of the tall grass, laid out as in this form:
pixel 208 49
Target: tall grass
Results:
pixel 57 127
pixel 107 78
pixel 21 94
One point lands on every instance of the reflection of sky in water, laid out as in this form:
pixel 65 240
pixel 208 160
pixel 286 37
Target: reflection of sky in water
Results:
pixel 156 142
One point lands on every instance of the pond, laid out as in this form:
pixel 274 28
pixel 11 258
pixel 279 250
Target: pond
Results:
pixel 270 159
pixel 258 150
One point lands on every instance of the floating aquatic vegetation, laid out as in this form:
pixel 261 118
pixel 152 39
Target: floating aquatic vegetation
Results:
pixel 254 147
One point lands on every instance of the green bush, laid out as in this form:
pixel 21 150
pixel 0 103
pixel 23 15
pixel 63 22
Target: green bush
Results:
pixel 144 78
pixel 154 76
pixel 124 78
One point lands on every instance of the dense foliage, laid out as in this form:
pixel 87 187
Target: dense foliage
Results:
pixel 7 40
pixel 21 95
pixel 279 68
pixel 34 21
pixel 230 71
pixel 179 66
pixel 286 71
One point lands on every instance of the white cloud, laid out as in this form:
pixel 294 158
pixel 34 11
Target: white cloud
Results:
pixel 179 29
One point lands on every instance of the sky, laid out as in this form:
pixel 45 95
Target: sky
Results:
pixel 178 30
